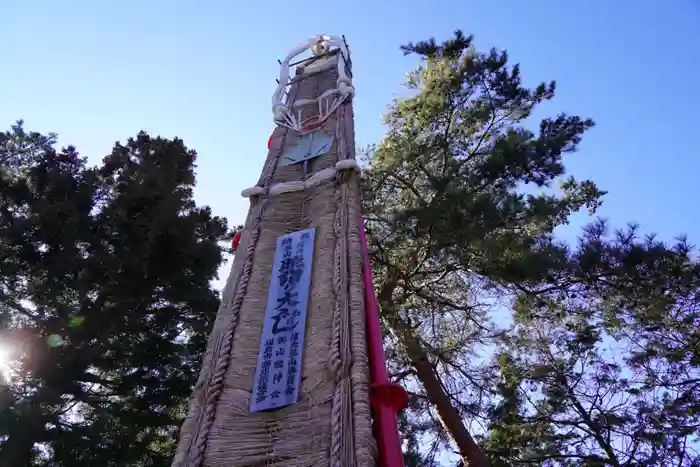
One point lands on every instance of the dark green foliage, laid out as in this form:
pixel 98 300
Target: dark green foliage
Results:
pixel 116 260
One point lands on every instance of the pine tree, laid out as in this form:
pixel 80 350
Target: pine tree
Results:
pixel 447 215
pixel 462 200
pixel 602 362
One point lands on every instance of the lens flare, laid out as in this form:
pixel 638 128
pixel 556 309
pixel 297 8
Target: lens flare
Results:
pixel 5 358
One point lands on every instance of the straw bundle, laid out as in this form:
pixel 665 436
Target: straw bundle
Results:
pixel 331 423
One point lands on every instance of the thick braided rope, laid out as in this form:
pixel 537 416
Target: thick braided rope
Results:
pixel 212 385
pixel 349 454
pixel 340 356
pixel 220 357
pixel 360 415
pixel 345 349
pixel 317 179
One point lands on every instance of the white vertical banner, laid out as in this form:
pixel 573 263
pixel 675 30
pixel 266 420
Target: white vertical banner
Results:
pixel 278 374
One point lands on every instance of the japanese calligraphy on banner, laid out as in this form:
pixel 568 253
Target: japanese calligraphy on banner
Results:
pixel 278 374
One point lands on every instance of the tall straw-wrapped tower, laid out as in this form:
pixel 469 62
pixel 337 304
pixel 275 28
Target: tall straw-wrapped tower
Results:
pixel 286 377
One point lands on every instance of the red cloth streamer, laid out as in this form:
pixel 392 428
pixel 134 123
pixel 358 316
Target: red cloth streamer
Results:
pixel 269 143
pixel 236 240
pixel 386 398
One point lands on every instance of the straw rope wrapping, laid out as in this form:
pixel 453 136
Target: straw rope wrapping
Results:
pixel 210 383
pixel 340 357
pixel 351 416
pixel 333 416
pixel 361 416
pixel 213 386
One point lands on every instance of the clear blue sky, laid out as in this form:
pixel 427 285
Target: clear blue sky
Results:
pixel 96 72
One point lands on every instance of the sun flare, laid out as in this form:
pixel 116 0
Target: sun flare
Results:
pixel 5 358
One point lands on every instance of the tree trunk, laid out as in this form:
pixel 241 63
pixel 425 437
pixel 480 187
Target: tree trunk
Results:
pixel 449 416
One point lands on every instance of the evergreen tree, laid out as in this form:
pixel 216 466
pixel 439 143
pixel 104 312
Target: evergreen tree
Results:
pixel 462 200
pixel 105 299
pixel 601 367
pixel 447 215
